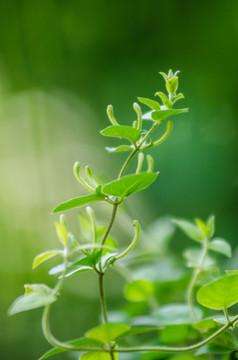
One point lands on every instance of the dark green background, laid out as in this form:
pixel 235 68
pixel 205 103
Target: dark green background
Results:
pixel 61 63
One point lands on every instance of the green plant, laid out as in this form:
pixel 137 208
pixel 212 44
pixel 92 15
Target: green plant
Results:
pixel 180 324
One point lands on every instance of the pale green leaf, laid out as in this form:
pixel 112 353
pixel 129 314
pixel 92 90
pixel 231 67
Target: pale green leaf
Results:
pixel 221 246
pixel 119 148
pixel 77 202
pixel 138 290
pixel 190 229
pixel 79 270
pixel 126 132
pixel 42 257
pixel 107 332
pixel 175 314
pixel 129 184
pixel 151 103
pixel 62 233
pixel 37 295
pixel 178 97
pixel 81 342
pixel 161 115
pixel 219 294
pixel 193 257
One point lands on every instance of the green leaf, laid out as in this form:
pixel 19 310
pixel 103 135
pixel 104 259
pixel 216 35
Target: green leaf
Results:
pixel 175 314
pixel 175 334
pixel 42 257
pixel 62 233
pixel 211 226
pixel 190 229
pixel 205 324
pixel 193 257
pixel 90 260
pixel 95 355
pixel 178 97
pixel 119 148
pixel 161 115
pixel 138 329
pixel 232 272
pixel 77 202
pixel 107 332
pixel 219 294
pixel 81 342
pixel 36 295
pixel 129 184
pixel 126 132
pixel 138 290
pixel 151 103
pixel 221 246
pixel 164 99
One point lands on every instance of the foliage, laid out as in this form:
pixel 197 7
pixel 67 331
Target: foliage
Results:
pixel 173 327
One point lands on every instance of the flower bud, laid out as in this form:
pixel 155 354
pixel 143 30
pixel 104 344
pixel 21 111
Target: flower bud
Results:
pixel 172 85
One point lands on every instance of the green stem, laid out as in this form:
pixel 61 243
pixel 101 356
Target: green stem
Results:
pixel 193 282
pixel 105 235
pixel 102 298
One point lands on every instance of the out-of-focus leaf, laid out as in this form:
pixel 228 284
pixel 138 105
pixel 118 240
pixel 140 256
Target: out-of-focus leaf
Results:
pixel 151 103
pixel 138 290
pixel 119 148
pixel 175 314
pixel 135 330
pixel 186 357
pixel 77 271
pixel 161 115
pixel 36 295
pixel 205 324
pixel 129 184
pixel 224 343
pixel 95 355
pixel 211 226
pixel 81 342
pixel 42 257
pixel 193 256
pixel 107 332
pixel 220 293
pixel 221 246
pixel 126 132
pixel 190 229
pixel 77 202
pixel 232 272
pixel 175 334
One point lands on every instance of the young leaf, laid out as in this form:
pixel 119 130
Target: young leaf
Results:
pixel 81 342
pixel 129 184
pixel 138 290
pixel 154 105
pixel 219 294
pixel 190 230
pixel 36 296
pixel 120 131
pixel 42 257
pixel 90 260
pixel 119 148
pixel 178 97
pixel 107 332
pixel 77 271
pixel 221 246
pixel 161 115
pixel 77 202
pixel 164 99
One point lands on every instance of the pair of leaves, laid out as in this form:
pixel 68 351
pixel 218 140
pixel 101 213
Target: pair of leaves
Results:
pixel 121 188
pixel 36 295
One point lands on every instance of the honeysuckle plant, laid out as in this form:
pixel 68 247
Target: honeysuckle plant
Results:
pixel 182 329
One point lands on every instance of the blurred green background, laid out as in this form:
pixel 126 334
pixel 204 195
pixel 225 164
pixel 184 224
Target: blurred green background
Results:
pixel 61 63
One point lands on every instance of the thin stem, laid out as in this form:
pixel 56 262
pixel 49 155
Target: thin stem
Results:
pixel 105 235
pixel 193 281
pixel 126 163
pixel 226 314
pixel 102 298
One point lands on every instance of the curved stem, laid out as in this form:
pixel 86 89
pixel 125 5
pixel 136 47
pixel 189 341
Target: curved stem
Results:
pixel 105 235
pixel 192 283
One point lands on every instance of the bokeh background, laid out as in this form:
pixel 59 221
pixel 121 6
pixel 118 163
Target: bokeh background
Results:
pixel 61 63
